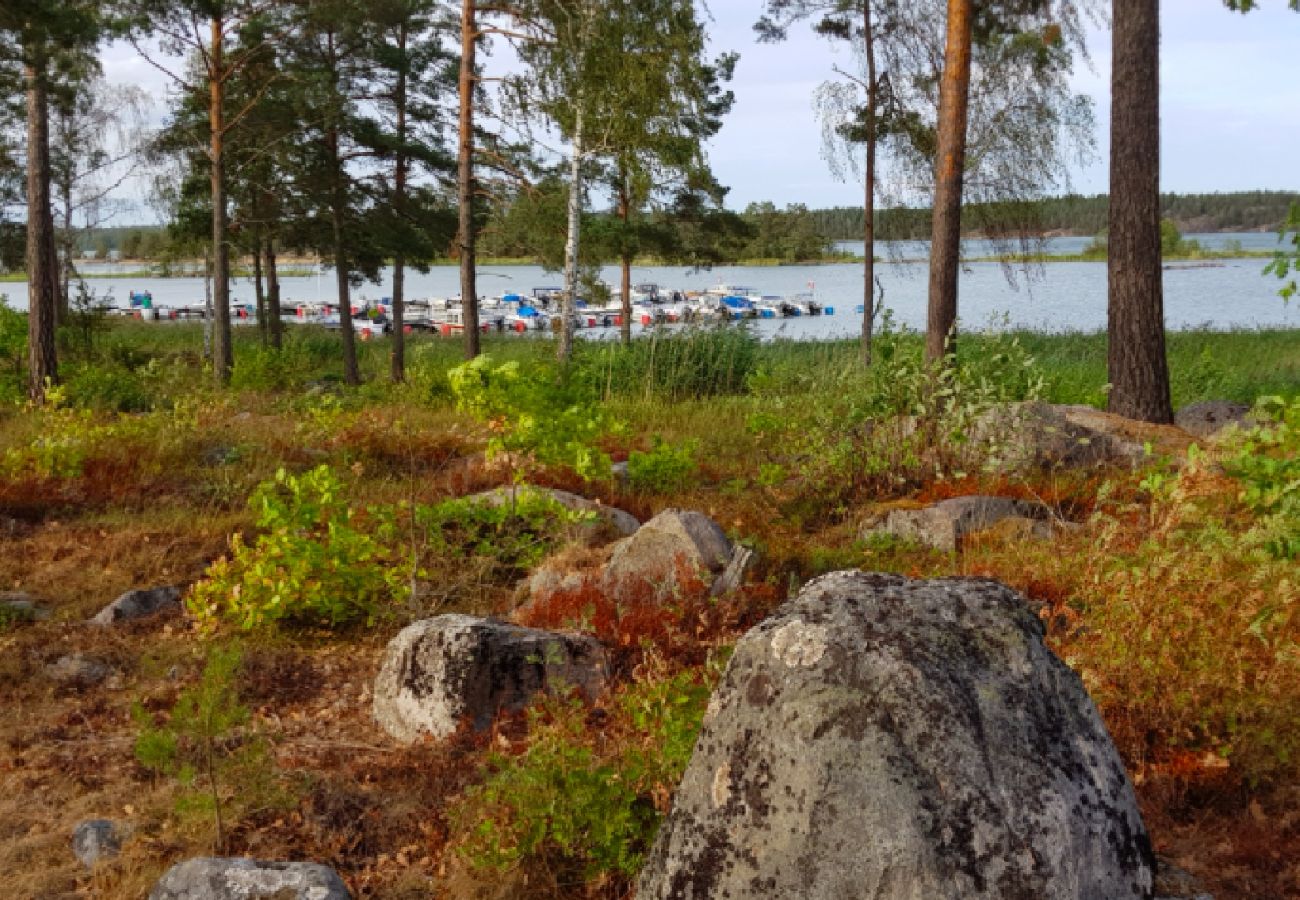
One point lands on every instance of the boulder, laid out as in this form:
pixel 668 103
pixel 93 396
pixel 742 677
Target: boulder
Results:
pixel 97 839
pixel 946 524
pixel 1022 436
pixel 675 547
pixel 442 671
pixel 885 738
pixel 1208 417
pixel 608 518
pixel 77 670
pixel 209 878
pixel 139 604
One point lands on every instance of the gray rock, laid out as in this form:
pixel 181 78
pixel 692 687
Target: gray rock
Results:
pixel 21 607
pixel 671 549
pixel 1209 417
pixel 442 671
pixel 97 839
pixel 77 670
pixel 138 604
pixel 209 878
pixel 737 571
pixel 619 522
pixel 944 525
pixel 885 738
pixel 1022 436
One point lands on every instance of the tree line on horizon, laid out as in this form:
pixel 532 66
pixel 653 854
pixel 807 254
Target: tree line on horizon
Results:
pixel 1080 214
pixel 366 132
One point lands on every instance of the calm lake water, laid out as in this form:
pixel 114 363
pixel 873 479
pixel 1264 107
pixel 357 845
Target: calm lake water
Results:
pixel 1051 297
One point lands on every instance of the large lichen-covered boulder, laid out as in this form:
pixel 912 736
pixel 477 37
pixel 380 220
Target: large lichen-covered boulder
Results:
pixel 212 878
pixel 440 672
pixel 673 552
pixel 885 738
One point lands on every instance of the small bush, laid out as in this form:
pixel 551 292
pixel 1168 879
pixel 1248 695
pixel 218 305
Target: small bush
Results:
pixel 313 565
pixel 533 410
pixel 1266 463
pixel 107 388
pixel 664 469
pixel 513 536
pixel 572 801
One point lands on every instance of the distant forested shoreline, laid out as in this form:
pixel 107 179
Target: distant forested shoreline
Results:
pixel 1076 214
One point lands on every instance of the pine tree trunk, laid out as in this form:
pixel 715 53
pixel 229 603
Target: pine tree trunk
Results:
pixel 259 290
pixel 351 375
pixel 465 180
pixel 223 359
pixel 625 280
pixel 42 354
pixel 945 236
pixel 869 191
pixel 569 303
pixel 273 296
pixel 1138 371
pixel 398 371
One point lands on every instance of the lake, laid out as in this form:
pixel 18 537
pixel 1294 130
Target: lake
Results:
pixel 1055 296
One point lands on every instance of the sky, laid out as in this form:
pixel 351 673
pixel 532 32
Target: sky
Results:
pixel 1229 102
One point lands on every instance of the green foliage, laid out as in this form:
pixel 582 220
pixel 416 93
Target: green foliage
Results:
pixel 313 565
pixel 533 410
pixel 1285 262
pixel 13 352
pixel 844 428
pixel 1191 626
pixel 107 388
pixel 570 801
pixel 665 468
pixel 515 535
pixel 671 365
pixel 1266 462
pixel 204 744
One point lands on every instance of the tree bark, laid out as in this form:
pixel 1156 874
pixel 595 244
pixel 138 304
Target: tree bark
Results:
pixel 869 191
pixel 945 236
pixel 1136 363
pixel 338 205
pixel 258 289
pixel 223 359
pixel 398 372
pixel 465 180
pixel 625 281
pixel 273 296
pixel 569 303
pixel 42 277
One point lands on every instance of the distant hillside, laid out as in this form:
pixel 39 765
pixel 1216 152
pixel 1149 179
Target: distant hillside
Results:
pixel 1074 214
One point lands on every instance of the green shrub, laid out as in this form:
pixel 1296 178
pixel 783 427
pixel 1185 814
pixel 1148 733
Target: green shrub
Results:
pixel 313 565
pixel 515 535
pixel 13 352
pixel 1266 462
pixel 568 802
pixel 107 388
pixel 533 410
pixel 665 468
pixel 204 745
